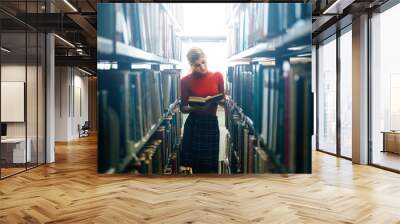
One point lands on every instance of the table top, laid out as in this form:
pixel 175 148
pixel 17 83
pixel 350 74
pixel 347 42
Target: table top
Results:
pixel 13 140
pixel 391 132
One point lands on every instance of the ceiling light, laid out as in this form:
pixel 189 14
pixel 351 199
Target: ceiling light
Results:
pixel 331 7
pixel 114 65
pixel 103 66
pixel 5 49
pixel 304 55
pixel 64 40
pixel 79 50
pixel 338 6
pixel 86 72
pixel 298 48
pixel 140 66
pixel 70 5
pixel 263 59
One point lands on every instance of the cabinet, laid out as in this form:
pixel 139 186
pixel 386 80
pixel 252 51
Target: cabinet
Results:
pixel 391 142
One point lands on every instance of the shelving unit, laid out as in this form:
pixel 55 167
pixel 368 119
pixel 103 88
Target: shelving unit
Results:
pixel 173 19
pixel 294 42
pixel 136 148
pixel 278 45
pixel 107 50
pixel 250 123
pixel 233 15
pixel 240 111
pixel 110 50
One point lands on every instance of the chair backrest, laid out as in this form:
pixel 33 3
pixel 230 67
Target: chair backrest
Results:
pixel 86 125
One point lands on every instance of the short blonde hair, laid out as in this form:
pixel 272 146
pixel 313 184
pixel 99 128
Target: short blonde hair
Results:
pixel 195 54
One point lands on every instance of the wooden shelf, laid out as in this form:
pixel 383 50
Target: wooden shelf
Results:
pixel 295 36
pixel 107 50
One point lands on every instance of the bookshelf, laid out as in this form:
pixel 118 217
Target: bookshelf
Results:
pixel 279 137
pixel 171 17
pixel 295 36
pixel 126 52
pixel 141 34
pixel 139 145
pixel 110 48
pixel 233 14
pixel 240 111
pixel 249 122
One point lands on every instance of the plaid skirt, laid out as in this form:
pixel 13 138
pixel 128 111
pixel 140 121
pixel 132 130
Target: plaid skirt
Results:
pixel 200 143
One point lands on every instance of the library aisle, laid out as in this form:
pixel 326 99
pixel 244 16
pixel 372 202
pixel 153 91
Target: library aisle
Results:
pixel 71 191
pixel 260 55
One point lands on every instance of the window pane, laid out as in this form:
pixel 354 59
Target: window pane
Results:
pixel 41 99
pixel 385 89
pixel 346 94
pixel 14 153
pixel 327 97
pixel 31 100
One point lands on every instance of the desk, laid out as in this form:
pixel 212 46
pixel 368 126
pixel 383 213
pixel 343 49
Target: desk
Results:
pixel 391 141
pixel 13 150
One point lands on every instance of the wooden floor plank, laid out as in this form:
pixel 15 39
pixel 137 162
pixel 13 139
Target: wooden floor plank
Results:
pixel 70 191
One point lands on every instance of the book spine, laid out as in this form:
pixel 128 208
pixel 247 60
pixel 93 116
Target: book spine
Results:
pixel 245 149
pixel 252 142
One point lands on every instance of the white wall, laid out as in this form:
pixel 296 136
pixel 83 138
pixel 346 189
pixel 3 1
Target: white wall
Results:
pixel 12 73
pixel 61 103
pixel 71 87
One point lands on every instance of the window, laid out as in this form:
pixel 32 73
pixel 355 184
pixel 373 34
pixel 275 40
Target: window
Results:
pixel 327 96
pixel 385 89
pixel 346 93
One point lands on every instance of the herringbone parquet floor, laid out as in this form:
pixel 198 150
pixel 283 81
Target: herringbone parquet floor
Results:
pixel 70 191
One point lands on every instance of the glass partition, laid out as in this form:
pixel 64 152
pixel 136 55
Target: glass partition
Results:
pixel 385 89
pixel 31 100
pixel 327 96
pixel 14 151
pixel 346 93
pixel 22 64
pixel 41 88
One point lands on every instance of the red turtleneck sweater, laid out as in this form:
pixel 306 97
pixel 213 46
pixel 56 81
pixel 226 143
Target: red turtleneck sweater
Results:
pixel 202 85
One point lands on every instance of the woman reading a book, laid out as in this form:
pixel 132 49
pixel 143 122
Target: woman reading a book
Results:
pixel 201 92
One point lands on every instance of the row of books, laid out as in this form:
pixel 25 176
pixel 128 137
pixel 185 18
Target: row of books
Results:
pixel 131 103
pixel 281 110
pixel 244 87
pixel 177 11
pixel 242 90
pixel 259 22
pixel 142 25
pixel 159 155
pixel 298 116
pixel 170 79
pixel 246 155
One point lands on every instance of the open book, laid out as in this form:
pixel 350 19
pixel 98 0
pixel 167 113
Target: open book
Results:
pixel 201 101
